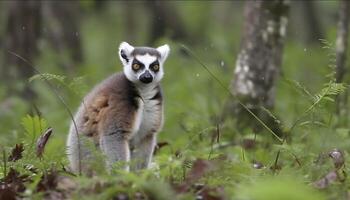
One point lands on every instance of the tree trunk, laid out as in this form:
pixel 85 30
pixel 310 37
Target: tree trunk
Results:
pixel 342 39
pixel 165 18
pixel 313 28
pixel 341 49
pixel 22 33
pixel 259 61
pixel 130 8
pixel 62 19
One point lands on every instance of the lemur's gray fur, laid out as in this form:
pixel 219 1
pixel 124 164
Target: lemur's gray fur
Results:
pixel 123 114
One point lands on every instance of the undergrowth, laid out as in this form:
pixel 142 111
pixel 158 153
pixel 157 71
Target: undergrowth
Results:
pixel 197 156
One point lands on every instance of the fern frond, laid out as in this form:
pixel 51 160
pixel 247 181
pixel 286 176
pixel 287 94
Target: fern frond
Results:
pixel 331 90
pixel 48 77
pixel 300 88
pixel 75 85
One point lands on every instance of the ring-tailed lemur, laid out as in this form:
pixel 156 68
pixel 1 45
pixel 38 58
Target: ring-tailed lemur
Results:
pixel 124 113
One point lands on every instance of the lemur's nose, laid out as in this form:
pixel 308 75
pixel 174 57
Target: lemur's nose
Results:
pixel 146 77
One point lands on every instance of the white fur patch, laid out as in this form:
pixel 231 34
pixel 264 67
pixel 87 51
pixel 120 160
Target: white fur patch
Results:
pixel 138 118
pixel 164 52
pixel 146 59
pixel 127 49
pixel 151 115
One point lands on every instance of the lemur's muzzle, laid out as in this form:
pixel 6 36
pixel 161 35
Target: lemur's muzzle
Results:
pixel 146 77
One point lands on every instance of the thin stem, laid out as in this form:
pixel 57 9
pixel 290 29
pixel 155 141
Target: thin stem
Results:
pixel 230 93
pixel 60 99
pixel 4 161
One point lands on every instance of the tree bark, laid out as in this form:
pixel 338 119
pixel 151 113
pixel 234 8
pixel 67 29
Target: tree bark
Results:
pixel 342 39
pixel 340 50
pixel 130 21
pixel 63 29
pixel 22 33
pixel 165 18
pixel 259 60
pixel 313 28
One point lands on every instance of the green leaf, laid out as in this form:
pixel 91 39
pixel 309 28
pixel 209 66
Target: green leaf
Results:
pixel 47 76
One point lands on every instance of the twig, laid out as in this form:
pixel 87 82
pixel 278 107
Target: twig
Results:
pixel 276 160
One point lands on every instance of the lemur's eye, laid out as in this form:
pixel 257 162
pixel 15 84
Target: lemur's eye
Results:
pixel 136 66
pixel 155 67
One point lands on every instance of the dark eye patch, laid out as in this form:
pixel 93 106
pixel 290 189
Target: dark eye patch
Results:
pixel 136 62
pixel 154 66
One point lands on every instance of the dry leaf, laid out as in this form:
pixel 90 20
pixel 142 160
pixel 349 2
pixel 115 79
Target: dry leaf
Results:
pixel 159 146
pixel 334 175
pixel 40 144
pixel 12 185
pixel 326 181
pixel 48 181
pixel 199 168
pixel 337 157
pixel 16 153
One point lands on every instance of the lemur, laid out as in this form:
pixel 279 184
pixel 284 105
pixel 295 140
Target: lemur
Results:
pixel 123 114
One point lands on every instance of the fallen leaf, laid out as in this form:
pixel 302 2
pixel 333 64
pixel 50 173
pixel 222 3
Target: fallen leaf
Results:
pixel 337 157
pixel 159 146
pixel 48 181
pixel 199 168
pixel 13 184
pixel 41 143
pixel 16 153
pixel 326 181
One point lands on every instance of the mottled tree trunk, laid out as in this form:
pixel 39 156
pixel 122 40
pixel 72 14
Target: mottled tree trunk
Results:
pixel 259 60
pixel 22 33
pixel 341 49
pixel 342 39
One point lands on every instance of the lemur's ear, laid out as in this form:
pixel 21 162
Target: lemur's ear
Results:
pixel 164 52
pixel 125 50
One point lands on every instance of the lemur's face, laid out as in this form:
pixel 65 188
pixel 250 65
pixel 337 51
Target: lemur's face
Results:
pixel 143 65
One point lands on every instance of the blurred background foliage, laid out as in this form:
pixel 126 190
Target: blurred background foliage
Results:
pixel 78 42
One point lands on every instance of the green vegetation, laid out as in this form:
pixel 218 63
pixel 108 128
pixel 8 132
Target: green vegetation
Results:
pixel 201 154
